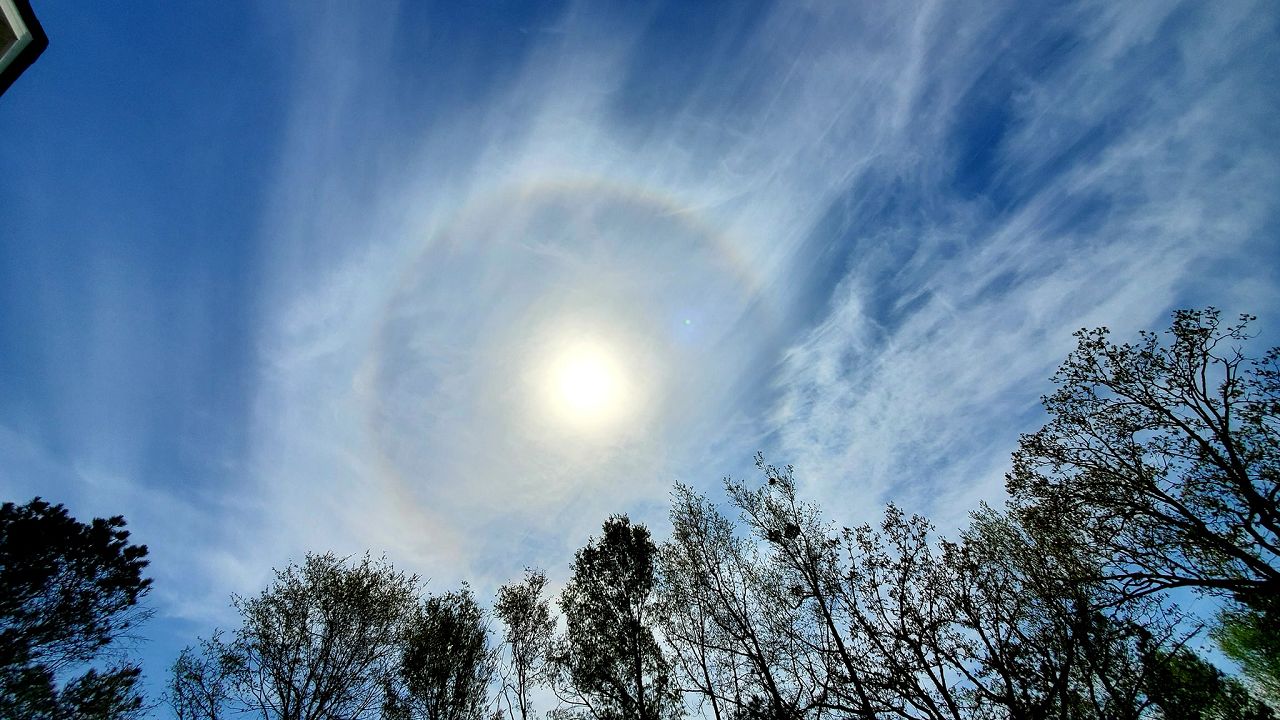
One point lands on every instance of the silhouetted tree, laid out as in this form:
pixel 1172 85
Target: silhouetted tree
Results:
pixel 1041 646
pixel 68 592
pixel 1164 456
pixel 797 619
pixel 528 626
pixel 200 681
pixel 865 605
pixel 609 665
pixel 322 641
pixel 802 621
pixel 445 662
pixel 723 619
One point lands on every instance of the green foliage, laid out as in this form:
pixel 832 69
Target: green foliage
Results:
pixel 1252 639
pixel 609 662
pixel 528 625
pixel 322 641
pixel 200 680
pixel 445 662
pixel 68 592
pixel 1183 686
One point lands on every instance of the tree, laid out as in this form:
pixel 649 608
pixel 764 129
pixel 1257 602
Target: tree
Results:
pixel 445 663
pixel 864 606
pixel 1248 638
pixel 199 681
pixel 730 634
pixel 1164 456
pixel 528 625
pixel 800 621
pixel 1182 685
pixel 69 591
pixel 609 665
pixel 796 619
pixel 1042 646
pixel 322 641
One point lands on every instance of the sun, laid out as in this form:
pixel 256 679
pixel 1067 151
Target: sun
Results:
pixel 587 385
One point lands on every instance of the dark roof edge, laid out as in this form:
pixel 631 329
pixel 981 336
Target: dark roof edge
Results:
pixel 39 41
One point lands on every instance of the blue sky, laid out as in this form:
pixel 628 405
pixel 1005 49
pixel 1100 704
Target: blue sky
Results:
pixel 283 277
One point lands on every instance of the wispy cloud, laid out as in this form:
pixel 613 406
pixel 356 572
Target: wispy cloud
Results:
pixel 1137 168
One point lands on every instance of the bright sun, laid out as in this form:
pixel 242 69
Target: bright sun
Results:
pixel 587 385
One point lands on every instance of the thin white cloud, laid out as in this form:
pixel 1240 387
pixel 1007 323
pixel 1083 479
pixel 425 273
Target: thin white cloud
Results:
pixel 927 411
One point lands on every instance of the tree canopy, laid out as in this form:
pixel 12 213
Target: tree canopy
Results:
pixel 609 663
pixel 803 619
pixel 322 641
pixel 528 626
pixel 1163 455
pixel 69 592
pixel 446 663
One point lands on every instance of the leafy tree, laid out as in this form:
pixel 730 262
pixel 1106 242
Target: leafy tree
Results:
pixel 865 605
pixel 322 641
pixel 1249 638
pixel 1045 646
pixel 528 626
pixel 724 620
pixel 1183 686
pixel 609 665
pixel 1164 456
pixel 68 592
pixel 445 664
pixel 800 620
pixel 199 681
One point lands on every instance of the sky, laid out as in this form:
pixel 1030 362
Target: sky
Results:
pixel 453 282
